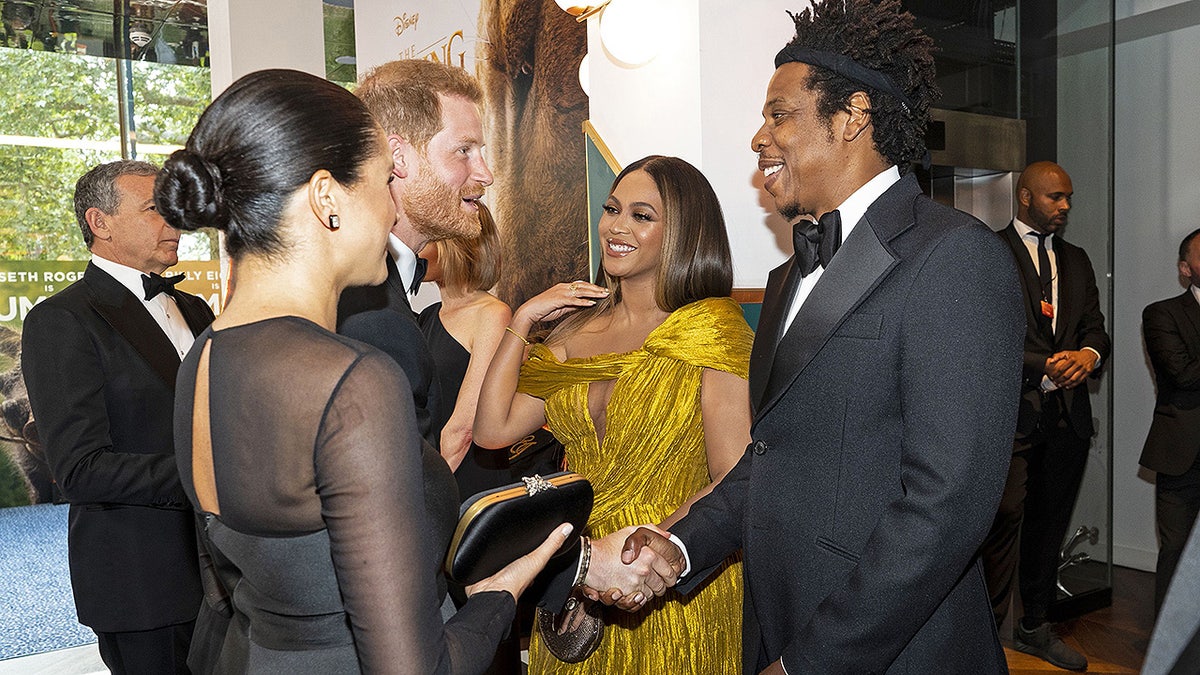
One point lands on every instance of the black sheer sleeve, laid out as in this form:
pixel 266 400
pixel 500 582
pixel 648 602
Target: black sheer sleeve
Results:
pixel 370 484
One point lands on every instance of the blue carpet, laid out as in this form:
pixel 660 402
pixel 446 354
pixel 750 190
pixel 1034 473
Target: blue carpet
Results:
pixel 37 612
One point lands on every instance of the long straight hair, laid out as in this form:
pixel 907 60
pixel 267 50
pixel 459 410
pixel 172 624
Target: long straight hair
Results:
pixel 695 263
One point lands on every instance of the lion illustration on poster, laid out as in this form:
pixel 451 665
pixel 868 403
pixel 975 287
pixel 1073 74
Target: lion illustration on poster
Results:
pixel 528 63
pixel 17 432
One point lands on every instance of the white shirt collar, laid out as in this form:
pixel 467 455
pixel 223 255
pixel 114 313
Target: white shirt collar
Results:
pixel 404 257
pixel 1025 230
pixel 126 276
pixel 856 204
pixel 1195 292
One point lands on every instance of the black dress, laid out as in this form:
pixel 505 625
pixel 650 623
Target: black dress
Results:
pixel 481 468
pixel 332 524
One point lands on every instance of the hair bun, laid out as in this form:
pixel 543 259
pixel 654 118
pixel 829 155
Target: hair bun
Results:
pixel 188 193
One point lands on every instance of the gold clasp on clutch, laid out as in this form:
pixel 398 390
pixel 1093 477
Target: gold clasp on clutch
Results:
pixel 535 484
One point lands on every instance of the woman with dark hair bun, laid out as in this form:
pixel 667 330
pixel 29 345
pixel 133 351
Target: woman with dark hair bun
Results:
pixel 644 383
pixel 300 447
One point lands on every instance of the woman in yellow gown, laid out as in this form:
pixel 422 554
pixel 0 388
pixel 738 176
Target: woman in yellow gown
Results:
pixel 644 382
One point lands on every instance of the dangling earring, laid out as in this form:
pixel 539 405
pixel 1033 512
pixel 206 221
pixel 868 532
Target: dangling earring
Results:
pixel 333 221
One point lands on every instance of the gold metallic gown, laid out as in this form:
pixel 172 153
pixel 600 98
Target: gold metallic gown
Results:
pixel 652 460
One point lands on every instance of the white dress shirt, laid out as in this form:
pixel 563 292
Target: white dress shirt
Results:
pixel 851 211
pixel 405 259
pixel 1195 292
pixel 1030 239
pixel 162 307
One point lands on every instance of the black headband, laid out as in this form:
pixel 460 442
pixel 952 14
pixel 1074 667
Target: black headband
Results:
pixel 846 67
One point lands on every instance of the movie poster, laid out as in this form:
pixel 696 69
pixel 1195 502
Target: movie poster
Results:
pixel 23 284
pixel 526 55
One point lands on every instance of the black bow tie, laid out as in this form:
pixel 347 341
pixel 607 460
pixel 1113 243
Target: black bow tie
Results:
pixel 422 265
pixel 157 283
pixel 816 243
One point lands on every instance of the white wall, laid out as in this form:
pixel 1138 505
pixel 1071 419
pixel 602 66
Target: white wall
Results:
pixel 248 35
pixel 1157 203
pixel 701 99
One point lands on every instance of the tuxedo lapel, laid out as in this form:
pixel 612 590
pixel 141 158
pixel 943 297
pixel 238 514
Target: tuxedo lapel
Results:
pixel 859 265
pixel 1191 309
pixel 770 323
pixel 195 316
pixel 129 318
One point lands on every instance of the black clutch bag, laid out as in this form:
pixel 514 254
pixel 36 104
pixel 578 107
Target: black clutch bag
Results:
pixel 498 526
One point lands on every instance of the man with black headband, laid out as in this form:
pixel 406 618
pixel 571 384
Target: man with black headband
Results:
pixel 883 378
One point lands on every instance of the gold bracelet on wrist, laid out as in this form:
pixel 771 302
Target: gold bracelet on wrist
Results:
pixel 585 560
pixel 519 336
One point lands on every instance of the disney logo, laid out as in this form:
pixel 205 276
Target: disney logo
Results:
pixel 404 21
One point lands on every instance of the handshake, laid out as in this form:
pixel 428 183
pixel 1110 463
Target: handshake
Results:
pixel 629 566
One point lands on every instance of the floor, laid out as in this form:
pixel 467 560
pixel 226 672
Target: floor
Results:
pixel 83 660
pixel 1114 639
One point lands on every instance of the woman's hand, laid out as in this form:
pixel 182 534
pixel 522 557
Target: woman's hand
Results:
pixel 518 574
pixel 557 301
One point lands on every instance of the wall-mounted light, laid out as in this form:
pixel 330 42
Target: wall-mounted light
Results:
pixel 630 30
pixel 585 75
pixel 581 9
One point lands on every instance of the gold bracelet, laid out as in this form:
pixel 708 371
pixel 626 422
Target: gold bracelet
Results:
pixel 519 336
pixel 585 560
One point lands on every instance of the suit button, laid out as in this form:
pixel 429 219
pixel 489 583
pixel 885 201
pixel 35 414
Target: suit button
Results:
pixel 759 447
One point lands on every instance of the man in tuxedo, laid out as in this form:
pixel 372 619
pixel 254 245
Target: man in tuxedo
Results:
pixel 883 378
pixel 1065 342
pixel 1172 450
pixel 100 359
pixel 430 113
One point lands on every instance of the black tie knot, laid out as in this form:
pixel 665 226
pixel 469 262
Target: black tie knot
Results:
pixel 157 283
pixel 815 243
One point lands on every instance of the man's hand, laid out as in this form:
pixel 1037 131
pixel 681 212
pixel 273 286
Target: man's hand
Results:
pixel 628 580
pixel 1069 368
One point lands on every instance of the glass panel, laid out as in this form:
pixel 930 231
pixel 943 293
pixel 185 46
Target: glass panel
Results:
pixel 339 41
pixel 1082 56
pixel 1015 76
pixel 59 116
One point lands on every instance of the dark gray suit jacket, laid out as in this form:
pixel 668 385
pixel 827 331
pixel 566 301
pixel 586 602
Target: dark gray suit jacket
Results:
pixel 1172 331
pixel 1080 324
pixel 882 428
pixel 101 379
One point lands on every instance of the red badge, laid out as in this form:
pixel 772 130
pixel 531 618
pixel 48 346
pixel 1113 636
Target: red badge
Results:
pixel 1047 310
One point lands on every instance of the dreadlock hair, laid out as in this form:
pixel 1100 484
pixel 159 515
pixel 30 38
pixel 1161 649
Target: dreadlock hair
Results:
pixel 877 34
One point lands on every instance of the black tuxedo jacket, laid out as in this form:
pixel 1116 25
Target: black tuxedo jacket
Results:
pixel 101 379
pixel 882 428
pixel 382 317
pixel 1080 324
pixel 1172 331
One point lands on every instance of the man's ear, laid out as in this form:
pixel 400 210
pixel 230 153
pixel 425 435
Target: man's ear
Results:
pixel 1025 196
pixel 858 108
pixel 403 154
pixel 1186 272
pixel 323 192
pixel 97 222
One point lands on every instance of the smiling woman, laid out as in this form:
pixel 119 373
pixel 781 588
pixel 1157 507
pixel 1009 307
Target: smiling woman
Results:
pixel 644 383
